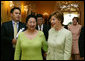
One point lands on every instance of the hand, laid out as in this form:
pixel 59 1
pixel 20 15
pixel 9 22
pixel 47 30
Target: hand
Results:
pixel 45 54
pixel 14 41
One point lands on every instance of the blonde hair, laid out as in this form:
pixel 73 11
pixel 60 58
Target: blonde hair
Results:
pixel 59 15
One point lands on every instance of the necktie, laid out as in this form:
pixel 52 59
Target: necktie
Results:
pixel 15 30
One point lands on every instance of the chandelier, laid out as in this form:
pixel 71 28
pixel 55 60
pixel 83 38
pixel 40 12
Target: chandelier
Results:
pixel 68 5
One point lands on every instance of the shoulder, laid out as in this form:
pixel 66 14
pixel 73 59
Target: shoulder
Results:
pixel 67 32
pixel 41 33
pixel 51 30
pixel 21 23
pixel 5 24
pixel 8 22
pixel 80 26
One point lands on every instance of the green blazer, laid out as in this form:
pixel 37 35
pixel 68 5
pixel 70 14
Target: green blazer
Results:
pixel 59 44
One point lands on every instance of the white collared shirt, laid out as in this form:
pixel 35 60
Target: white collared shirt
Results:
pixel 41 27
pixel 13 22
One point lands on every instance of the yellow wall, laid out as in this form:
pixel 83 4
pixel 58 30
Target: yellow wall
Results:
pixel 5 11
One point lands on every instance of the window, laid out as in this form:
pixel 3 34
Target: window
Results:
pixel 69 16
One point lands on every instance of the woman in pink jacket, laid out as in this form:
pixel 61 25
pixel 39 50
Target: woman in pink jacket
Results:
pixel 75 28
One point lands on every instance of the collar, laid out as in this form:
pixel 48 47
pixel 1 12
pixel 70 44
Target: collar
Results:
pixel 41 25
pixel 14 22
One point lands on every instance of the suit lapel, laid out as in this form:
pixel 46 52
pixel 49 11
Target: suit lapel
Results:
pixel 19 27
pixel 11 28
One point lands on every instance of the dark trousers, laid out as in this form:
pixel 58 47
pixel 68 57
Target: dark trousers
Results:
pixel 44 58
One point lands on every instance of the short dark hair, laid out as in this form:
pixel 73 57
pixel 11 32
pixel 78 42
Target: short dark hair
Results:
pixel 76 18
pixel 30 16
pixel 12 10
pixel 59 15
pixel 39 15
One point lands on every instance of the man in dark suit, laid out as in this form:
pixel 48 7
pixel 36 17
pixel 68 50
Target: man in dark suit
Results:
pixel 81 43
pixel 8 34
pixel 42 27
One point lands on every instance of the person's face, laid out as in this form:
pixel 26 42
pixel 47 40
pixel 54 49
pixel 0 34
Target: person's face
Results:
pixel 74 21
pixel 39 20
pixel 31 24
pixel 16 15
pixel 54 22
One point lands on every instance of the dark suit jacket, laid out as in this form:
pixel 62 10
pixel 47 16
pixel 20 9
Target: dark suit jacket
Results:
pixel 45 30
pixel 81 43
pixel 7 34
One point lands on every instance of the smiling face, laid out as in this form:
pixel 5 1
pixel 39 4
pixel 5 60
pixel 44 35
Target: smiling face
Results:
pixel 31 24
pixel 16 15
pixel 74 21
pixel 55 22
pixel 39 20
